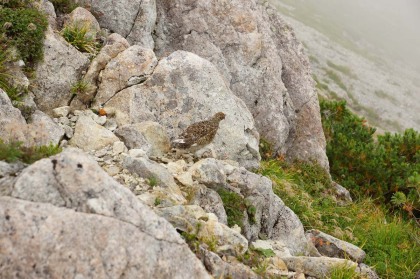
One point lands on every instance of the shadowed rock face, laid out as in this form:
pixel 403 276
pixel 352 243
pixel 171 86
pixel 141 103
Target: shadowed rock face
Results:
pixel 261 62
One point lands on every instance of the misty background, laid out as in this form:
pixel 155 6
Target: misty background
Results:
pixel 364 51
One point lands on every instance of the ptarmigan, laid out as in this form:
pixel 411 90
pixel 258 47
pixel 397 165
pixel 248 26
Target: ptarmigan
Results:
pixel 199 134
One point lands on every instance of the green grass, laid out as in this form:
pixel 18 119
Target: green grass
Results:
pixel 344 272
pixel 79 87
pixel 152 181
pixel 4 72
pixel 77 35
pixel 390 241
pixel 16 151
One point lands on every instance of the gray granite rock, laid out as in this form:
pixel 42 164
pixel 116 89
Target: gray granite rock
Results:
pixel 185 89
pixel 330 246
pixel 260 60
pixel 39 240
pixel 61 67
pixel 88 135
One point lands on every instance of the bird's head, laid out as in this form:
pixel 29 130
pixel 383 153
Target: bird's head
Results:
pixel 219 116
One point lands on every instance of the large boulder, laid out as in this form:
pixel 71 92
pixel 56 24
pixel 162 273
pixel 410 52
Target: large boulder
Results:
pixel 134 20
pixel 61 68
pixel 185 89
pixel 40 240
pixel 260 60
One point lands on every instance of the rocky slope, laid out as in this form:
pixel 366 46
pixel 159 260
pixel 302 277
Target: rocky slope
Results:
pixel 116 201
pixel 375 85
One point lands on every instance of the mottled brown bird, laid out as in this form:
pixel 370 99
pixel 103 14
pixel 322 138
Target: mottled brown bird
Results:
pixel 199 134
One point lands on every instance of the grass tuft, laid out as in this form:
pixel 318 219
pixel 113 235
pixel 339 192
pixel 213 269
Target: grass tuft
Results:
pixel 77 35
pixel 16 151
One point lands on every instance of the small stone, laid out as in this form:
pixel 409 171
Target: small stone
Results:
pixel 101 120
pixel 111 124
pixel 112 170
pixel 135 153
pixel 20 63
pixel 61 111
pixel 74 118
pixel 118 148
pixel 261 244
pixel 101 153
pixel 64 143
pixel 64 120
pixel 68 131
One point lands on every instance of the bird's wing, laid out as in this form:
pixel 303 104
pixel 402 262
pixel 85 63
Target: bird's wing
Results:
pixel 197 131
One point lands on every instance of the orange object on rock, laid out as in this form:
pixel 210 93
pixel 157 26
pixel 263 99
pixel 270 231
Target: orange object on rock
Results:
pixel 102 112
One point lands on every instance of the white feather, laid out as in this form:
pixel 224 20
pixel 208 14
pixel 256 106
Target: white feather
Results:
pixel 179 141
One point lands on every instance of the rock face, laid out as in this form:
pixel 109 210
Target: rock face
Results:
pixel 131 66
pixel 41 240
pixel 54 77
pixel 115 44
pixel 61 244
pixel 133 20
pixel 185 89
pixel 42 122
pixel 11 120
pixel 261 62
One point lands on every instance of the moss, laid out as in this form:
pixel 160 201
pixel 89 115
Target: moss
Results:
pixel 25 29
pixel 234 206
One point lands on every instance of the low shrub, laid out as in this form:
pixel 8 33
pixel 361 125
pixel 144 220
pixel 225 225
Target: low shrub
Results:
pixel 25 29
pixel 377 167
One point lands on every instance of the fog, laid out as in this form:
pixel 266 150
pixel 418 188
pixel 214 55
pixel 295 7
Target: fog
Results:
pixel 366 52
pixel 391 28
